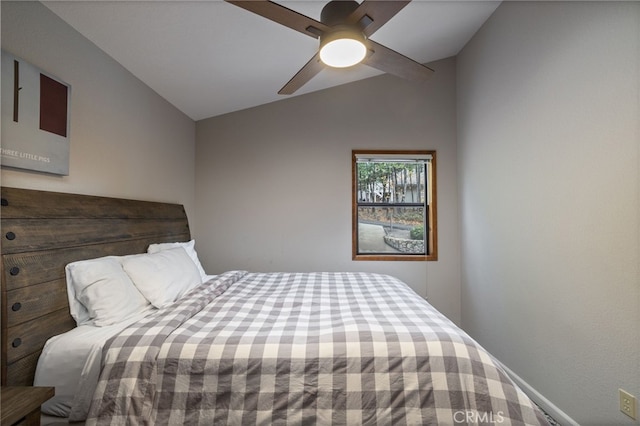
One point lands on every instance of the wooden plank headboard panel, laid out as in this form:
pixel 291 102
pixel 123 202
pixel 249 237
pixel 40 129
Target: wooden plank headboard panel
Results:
pixel 41 232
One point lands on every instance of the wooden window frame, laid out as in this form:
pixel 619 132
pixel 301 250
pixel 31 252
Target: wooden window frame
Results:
pixel 432 235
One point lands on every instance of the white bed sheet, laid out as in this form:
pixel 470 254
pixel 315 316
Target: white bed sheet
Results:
pixel 71 363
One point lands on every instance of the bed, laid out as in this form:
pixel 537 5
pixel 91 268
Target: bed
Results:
pixel 237 348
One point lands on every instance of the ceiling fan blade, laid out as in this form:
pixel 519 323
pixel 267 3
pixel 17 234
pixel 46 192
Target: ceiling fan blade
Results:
pixel 395 63
pixel 375 13
pixel 282 15
pixel 306 73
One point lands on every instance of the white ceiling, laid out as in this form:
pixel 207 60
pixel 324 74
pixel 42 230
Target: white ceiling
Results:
pixel 210 57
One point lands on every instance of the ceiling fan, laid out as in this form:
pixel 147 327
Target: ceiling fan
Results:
pixel 344 30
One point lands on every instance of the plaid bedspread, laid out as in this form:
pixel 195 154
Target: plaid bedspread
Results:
pixel 303 349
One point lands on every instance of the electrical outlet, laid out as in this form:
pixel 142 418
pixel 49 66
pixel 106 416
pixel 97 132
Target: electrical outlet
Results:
pixel 628 404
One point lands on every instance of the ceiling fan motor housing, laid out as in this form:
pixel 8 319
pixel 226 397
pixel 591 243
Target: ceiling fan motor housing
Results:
pixel 336 11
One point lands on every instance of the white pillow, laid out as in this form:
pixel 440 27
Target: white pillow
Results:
pixel 100 292
pixel 191 251
pixel 162 277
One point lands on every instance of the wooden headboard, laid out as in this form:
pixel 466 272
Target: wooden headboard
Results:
pixel 43 231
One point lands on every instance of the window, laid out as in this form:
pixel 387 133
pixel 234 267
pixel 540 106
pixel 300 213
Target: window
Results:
pixel 394 205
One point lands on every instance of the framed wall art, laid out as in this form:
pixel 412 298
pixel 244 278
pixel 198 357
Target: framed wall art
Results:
pixel 35 118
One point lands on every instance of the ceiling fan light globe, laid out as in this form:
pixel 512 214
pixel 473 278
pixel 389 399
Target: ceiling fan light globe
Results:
pixel 343 50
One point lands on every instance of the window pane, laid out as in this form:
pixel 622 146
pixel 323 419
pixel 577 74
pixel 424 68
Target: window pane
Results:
pixel 398 230
pixel 391 182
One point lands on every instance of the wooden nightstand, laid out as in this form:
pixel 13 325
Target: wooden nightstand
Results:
pixel 20 405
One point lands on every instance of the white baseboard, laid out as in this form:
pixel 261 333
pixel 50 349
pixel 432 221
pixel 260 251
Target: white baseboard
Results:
pixel 559 415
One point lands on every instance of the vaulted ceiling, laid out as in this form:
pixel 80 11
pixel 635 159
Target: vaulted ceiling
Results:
pixel 210 57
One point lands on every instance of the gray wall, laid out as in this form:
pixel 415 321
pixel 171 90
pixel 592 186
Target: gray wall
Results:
pixel 126 141
pixel 273 183
pixel 548 141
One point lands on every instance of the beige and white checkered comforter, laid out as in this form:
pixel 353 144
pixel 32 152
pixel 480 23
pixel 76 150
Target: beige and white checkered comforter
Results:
pixel 303 349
